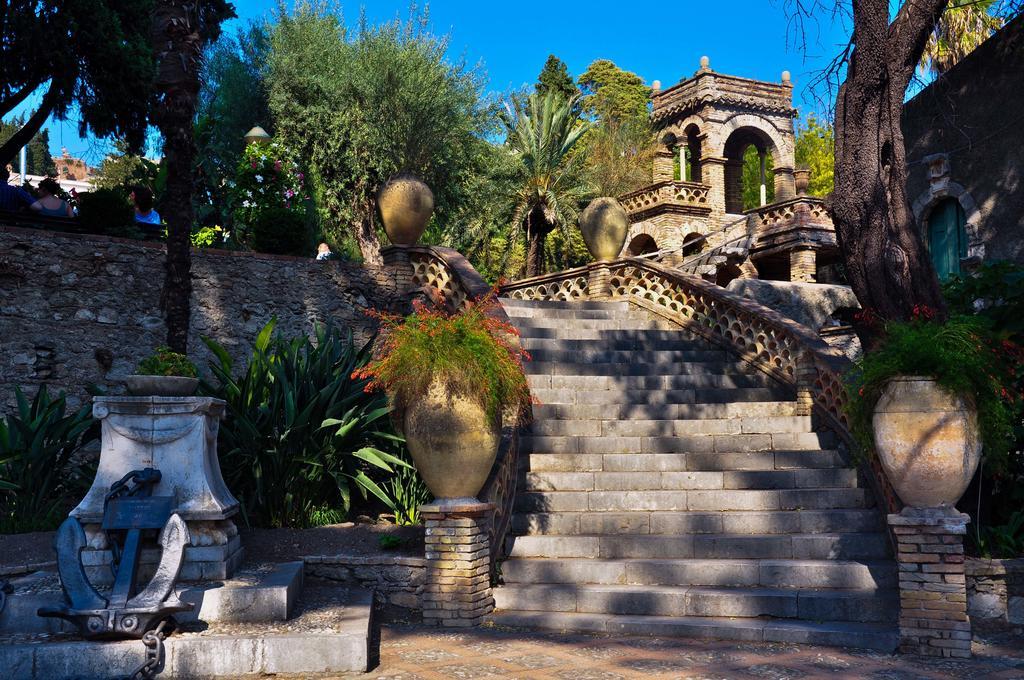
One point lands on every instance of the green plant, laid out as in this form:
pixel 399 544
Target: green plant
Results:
pixel 408 492
pixel 107 211
pixel 280 231
pixel 959 354
pixel 469 351
pixel 208 237
pixel 37 470
pixel 300 429
pixel 1002 541
pixel 167 362
pixel 389 541
pixel 267 178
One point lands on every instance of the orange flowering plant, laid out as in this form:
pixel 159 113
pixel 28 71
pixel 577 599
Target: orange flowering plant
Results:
pixel 473 351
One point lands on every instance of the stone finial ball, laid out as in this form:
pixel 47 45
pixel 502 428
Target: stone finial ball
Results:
pixel 785 76
pixel 705 62
pixel 656 85
pixel 604 225
pixel 405 203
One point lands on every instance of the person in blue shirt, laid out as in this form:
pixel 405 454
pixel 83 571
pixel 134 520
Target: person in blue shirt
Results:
pixel 144 213
pixel 12 198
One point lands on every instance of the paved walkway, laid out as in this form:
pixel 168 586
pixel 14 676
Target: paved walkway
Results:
pixel 417 652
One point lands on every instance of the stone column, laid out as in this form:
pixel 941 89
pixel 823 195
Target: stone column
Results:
pixel 803 266
pixel 933 591
pixel 396 259
pixel 664 159
pixel 683 174
pixel 457 591
pixel 599 281
pixel 785 184
pixel 763 189
pixel 713 174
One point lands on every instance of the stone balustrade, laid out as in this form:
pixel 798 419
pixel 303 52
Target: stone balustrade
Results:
pixel 682 196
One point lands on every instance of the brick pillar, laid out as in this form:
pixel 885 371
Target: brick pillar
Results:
pixel 803 266
pixel 599 282
pixel 933 591
pixel 396 260
pixel 806 374
pixel 785 184
pixel 457 591
pixel 664 165
pixel 713 174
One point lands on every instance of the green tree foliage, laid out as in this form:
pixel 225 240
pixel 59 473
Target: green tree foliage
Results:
pixel 123 169
pixel 609 93
pixel 38 160
pixel 360 107
pixel 233 98
pixel 815 150
pixel 963 26
pixel 554 77
pixel 91 54
pixel 550 182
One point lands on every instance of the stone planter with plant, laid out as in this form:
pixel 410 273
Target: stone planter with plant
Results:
pixel 928 400
pixel 165 373
pixel 451 378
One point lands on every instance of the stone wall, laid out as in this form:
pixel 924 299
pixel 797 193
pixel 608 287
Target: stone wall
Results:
pixel 397 580
pixel 85 309
pixel 995 591
pixel 963 137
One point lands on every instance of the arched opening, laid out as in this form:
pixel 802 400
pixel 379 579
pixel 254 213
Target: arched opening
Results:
pixel 749 154
pixel 689 149
pixel 947 237
pixel 693 243
pixel 642 244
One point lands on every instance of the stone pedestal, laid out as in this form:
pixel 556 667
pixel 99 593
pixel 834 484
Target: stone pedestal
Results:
pixel 599 282
pixel 933 593
pixel 457 591
pixel 396 259
pixel 178 436
pixel 803 266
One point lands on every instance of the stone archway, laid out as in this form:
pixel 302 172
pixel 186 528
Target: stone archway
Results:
pixel 641 244
pixel 939 191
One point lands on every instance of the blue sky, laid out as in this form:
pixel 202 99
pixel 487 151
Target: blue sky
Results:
pixel 656 40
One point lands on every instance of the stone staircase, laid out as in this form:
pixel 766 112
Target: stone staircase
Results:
pixel 668 489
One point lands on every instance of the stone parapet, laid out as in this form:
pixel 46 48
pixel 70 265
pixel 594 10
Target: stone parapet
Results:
pixel 933 593
pixel 457 592
pixel 995 591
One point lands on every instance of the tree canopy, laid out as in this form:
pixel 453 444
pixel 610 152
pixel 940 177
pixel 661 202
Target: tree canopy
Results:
pixel 816 150
pixel 554 77
pixel 611 94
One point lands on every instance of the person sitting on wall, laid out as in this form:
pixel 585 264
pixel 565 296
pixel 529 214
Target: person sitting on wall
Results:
pixel 48 203
pixel 11 197
pixel 323 252
pixel 146 218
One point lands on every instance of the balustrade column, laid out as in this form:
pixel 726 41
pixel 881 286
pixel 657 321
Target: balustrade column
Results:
pixel 806 374
pixel 396 259
pixel 599 285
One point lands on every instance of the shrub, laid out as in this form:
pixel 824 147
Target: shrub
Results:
pixel 107 211
pixel 167 362
pixel 959 354
pixel 267 178
pixel 300 430
pixel 208 237
pixel 37 471
pixel 408 492
pixel 279 231
pixel 469 350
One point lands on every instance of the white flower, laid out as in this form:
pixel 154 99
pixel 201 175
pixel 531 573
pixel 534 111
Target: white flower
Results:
pixel 247 204
pixel 249 194
pixel 259 178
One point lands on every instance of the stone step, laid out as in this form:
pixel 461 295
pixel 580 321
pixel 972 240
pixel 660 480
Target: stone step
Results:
pixel 733 573
pixel 679 462
pixel 516 314
pixel 642 336
pixel 626 323
pixel 839 546
pixel 512 303
pixel 532 344
pixel 718 379
pixel 618 360
pixel 862 606
pixel 881 637
pixel 674 523
pixel 709 443
pixel 550 410
pixel 704 501
pixel 670 428
pixel 700 363
pixel 647 480
pixel 696 396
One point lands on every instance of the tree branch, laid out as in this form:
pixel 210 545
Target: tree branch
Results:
pixel 8 103
pixel 909 31
pixel 35 122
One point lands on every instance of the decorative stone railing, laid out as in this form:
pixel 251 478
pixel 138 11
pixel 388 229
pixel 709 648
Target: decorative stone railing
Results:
pixel 691 195
pixel 786 350
pixel 785 212
pixel 446 272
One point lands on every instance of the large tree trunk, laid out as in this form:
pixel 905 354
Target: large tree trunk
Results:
pixel 537 230
pixel 883 250
pixel 10 148
pixel 177 46
pixel 366 235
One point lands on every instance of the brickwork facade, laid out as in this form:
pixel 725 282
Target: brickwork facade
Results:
pixel 933 592
pixel 457 591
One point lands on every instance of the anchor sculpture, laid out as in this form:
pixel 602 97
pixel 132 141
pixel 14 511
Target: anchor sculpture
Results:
pixel 128 507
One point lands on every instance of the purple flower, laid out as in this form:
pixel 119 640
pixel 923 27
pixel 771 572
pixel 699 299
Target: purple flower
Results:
pixel 289 193
pixel 277 166
pixel 253 164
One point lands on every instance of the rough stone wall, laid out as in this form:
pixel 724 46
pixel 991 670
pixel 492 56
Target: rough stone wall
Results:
pixel 995 591
pixel 971 115
pixel 85 309
pixel 397 581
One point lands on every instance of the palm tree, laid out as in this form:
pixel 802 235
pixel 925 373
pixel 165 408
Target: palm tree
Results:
pixel 551 185
pixel 962 27
pixel 180 30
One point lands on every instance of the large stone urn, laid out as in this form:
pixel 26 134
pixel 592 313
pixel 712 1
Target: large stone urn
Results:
pixel 453 443
pixel 604 224
pixel 927 440
pixel 405 203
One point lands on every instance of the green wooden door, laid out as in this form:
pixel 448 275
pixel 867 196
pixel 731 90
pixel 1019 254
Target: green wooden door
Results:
pixel 947 237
